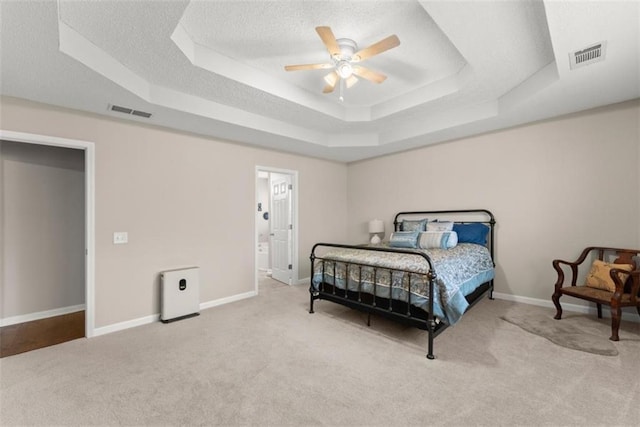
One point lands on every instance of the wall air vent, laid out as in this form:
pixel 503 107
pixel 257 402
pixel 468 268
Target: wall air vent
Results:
pixel 121 109
pixel 131 111
pixel 588 55
pixel 141 114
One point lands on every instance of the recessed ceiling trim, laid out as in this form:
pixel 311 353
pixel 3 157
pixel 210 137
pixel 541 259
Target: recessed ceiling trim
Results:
pixel 77 47
pixel 82 50
pixel 525 38
pixel 440 121
pixel 530 87
pixel 205 58
pixel 427 93
pixel 354 140
pixel 203 107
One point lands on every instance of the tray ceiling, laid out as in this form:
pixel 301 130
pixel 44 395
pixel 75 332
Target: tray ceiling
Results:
pixel 217 67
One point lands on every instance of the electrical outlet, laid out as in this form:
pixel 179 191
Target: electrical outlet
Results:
pixel 120 237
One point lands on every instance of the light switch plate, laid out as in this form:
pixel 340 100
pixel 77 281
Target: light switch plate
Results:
pixel 120 237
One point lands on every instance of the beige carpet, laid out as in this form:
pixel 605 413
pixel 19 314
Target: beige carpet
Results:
pixel 266 361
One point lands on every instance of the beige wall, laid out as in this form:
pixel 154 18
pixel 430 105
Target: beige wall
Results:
pixel 184 200
pixel 554 187
pixel 43 222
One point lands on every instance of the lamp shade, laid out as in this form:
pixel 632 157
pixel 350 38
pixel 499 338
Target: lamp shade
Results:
pixel 376 226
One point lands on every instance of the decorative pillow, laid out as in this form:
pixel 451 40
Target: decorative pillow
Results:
pixel 440 226
pixel 413 224
pixel 600 278
pixel 404 239
pixel 471 233
pixel 437 239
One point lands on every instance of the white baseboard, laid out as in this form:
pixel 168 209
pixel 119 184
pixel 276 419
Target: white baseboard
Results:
pixel 576 308
pixel 13 320
pixel 126 325
pixel 156 317
pixel 227 300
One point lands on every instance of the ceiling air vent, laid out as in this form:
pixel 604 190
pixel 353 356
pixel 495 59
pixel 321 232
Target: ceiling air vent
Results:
pixel 588 55
pixel 131 111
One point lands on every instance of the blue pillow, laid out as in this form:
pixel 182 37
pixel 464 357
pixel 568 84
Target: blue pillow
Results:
pixel 404 239
pixel 471 233
pixel 413 224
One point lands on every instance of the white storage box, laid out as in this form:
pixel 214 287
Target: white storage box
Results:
pixel 179 294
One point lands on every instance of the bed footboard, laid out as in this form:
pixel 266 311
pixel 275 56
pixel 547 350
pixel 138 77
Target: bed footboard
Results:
pixel 400 310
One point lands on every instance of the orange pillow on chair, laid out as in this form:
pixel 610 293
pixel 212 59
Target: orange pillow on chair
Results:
pixel 599 277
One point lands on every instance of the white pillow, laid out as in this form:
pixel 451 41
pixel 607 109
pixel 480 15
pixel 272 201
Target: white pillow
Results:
pixel 440 226
pixel 437 239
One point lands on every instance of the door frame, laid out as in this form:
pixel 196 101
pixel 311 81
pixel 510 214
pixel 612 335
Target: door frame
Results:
pixel 294 213
pixel 89 209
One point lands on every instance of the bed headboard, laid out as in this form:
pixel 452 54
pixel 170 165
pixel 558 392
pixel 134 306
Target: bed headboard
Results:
pixel 460 216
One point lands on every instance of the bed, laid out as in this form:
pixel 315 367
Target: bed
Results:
pixel 435 267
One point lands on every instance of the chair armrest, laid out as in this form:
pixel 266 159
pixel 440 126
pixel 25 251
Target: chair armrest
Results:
pixel 574 272
pixel 635 284
pixel 574 267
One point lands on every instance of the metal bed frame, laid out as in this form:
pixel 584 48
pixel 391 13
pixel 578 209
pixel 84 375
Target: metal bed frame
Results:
pixel 401 311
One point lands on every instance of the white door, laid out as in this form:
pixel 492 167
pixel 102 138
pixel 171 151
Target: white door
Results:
pixel 281 227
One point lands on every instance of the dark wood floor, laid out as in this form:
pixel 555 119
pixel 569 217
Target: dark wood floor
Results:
pixel 15 339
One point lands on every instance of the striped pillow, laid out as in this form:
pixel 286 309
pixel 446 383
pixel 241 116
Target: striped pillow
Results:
pixel 438 239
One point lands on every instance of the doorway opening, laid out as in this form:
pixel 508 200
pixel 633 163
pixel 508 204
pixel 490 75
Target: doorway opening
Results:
pixel 276 225
pixel 83 255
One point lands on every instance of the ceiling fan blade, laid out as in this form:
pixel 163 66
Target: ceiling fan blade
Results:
pixel 351 80
pixel 366 73
pixel 329 40
pixel 307 67
pixel 376 48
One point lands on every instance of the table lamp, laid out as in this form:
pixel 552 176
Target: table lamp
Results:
pixel 376 226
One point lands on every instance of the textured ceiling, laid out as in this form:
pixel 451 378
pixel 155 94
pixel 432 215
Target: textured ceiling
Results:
pixel 217 67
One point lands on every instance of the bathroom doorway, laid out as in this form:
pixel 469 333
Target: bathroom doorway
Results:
pixel 276 225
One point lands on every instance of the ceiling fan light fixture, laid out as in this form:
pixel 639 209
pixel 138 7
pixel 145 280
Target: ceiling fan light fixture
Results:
pixel 351 81
pixel 344 69
pixel 331 79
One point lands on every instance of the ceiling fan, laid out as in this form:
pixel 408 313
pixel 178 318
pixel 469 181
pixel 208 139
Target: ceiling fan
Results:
pixel 345 57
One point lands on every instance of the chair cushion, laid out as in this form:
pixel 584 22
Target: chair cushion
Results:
pixel 597 295
pixel 600 278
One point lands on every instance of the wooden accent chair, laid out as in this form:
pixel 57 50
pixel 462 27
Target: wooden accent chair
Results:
pixel 623 286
